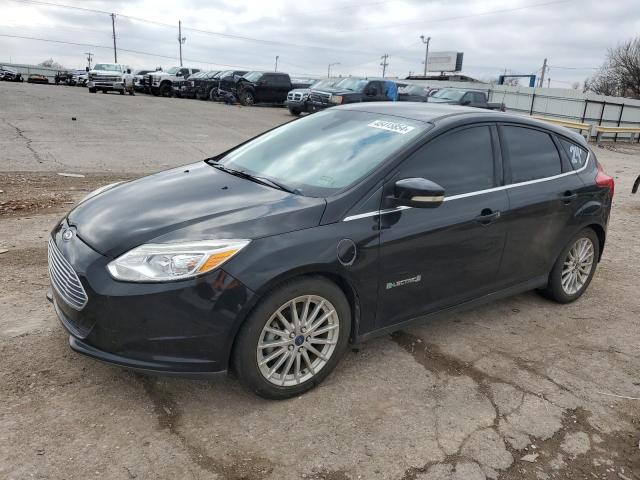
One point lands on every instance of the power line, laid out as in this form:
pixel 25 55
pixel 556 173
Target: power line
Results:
pixel 198 30
pixel 460 17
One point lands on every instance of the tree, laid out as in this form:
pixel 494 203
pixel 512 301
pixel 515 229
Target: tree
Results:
pixel 619 75
pixel 51 64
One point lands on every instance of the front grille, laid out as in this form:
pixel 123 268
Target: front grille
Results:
pixel 107 78
pixel 319 97
pixel 64 279
pixel 295 96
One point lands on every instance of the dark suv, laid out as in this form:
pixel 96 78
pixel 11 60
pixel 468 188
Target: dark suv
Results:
pixel 351 90
pixel 350 223
pixel 265 87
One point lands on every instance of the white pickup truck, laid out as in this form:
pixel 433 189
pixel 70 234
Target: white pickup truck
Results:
pixel 106 77
pixel 161 83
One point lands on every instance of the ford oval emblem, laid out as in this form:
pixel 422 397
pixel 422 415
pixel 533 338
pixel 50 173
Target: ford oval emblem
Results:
pixel 67 235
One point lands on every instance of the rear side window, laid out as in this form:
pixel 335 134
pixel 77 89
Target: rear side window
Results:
pixel 460 162
pixel 577 155
pixel 532 154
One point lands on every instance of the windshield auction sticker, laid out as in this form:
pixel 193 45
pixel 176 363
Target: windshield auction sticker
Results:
pixel 391 126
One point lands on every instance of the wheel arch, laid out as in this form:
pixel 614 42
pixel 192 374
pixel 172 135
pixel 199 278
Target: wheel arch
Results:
pixel 336 278
pixel 602 236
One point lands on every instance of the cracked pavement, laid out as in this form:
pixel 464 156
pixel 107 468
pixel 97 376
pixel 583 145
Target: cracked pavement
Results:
pixel 518 389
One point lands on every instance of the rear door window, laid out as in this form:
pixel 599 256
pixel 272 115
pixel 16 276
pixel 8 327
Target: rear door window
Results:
pixel 460 162
pixel 577 154
pixel 532 154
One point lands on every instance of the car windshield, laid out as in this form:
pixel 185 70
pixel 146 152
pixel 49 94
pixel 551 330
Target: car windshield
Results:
pixel 447 94
pixel 107 67
pixel 353 84
pixel 173 70
pixel 252 76
pixel 326 83
pixel 412 90
pixel 326 152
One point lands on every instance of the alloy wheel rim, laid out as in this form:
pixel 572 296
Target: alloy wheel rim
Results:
pixel 298 340
pixel 577 266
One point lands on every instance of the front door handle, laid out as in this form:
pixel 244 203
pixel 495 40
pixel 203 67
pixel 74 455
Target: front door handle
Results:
pixel 569 197
pixel 487 216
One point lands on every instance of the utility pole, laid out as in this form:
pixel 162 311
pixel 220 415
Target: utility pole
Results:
pixel 384 63
pixel 181 39
pixel 277 57
pixel 329 68
pixel 113 27
pixel 548 82
pixel 544 69
pixel 426 55
pixel 89 57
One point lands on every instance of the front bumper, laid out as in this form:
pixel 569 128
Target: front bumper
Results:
pixel 300 105
pixel 101 84
pixel 183 328
pixel 314 106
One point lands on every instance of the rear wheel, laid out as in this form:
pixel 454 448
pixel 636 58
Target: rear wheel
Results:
pixel 574 268
pixel 293 339
pixel 92 90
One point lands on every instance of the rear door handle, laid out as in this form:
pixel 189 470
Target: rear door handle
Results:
pixel 487 216
pixel 569 197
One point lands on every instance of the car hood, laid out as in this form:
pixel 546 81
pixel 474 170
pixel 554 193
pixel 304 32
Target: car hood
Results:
pixel 300 90
pixel 337 91
pixel 441 100
pixel 194 202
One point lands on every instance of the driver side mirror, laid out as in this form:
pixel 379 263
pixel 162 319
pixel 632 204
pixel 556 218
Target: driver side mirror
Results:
pixel 418 192
pixel 86 69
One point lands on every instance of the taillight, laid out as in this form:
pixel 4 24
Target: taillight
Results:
pixel 604 180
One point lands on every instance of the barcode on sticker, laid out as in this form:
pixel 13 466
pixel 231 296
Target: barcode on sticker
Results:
pixel 391 126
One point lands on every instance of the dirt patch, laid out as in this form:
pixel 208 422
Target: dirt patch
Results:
pixel 27 193
pixel 169 417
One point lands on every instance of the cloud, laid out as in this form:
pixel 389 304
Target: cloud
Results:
pixel 307 35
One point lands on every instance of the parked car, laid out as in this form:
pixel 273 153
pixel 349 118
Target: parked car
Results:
pixel 37 78
pixel 352 90
pixel 225 81
pixel 459 96
pixel 62 76
pixel 413 93
pixel 106 77
pixel 10 74
pixel 264 87
pixel 261 259
pixel 182 87
pixel 297 98
pixel 198 85
pixel 161 82
pixel 139 80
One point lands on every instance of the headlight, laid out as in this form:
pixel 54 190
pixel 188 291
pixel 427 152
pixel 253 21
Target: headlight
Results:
pixel 336 98
pixel 173 261
pixel 98 191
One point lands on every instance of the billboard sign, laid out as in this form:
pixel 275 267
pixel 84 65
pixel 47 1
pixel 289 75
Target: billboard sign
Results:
pixel 444 61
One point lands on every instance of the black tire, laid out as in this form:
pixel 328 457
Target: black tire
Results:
pixel 104 91
pixel 554 290
pixel 92 90
pixel 294 111
pixel 154 91
pixel 166 90
pixel 244 357
pixel 247 98
pixel 121 92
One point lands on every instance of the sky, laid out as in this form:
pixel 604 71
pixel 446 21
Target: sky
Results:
pixel 308 35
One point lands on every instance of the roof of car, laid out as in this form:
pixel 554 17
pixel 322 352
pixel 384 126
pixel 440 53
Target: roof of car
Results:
pixel 435 112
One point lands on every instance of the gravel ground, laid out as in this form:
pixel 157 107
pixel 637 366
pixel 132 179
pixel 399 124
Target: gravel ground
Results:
pixel 518 389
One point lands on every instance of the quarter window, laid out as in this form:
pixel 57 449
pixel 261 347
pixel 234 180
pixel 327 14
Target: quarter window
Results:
pixel 577 155
pixel 460 162
pixel 532 154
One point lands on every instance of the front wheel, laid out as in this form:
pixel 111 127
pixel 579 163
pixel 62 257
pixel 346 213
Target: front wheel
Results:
pixel 92 90
pixel 293 339
pixel 574 268
pixel 166 90
pixel 295 111
pixel 247 99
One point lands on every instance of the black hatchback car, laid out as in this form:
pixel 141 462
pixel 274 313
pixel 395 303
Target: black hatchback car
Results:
pixel 360 220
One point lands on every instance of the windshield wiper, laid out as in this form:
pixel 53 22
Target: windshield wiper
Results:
pixel 254 178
